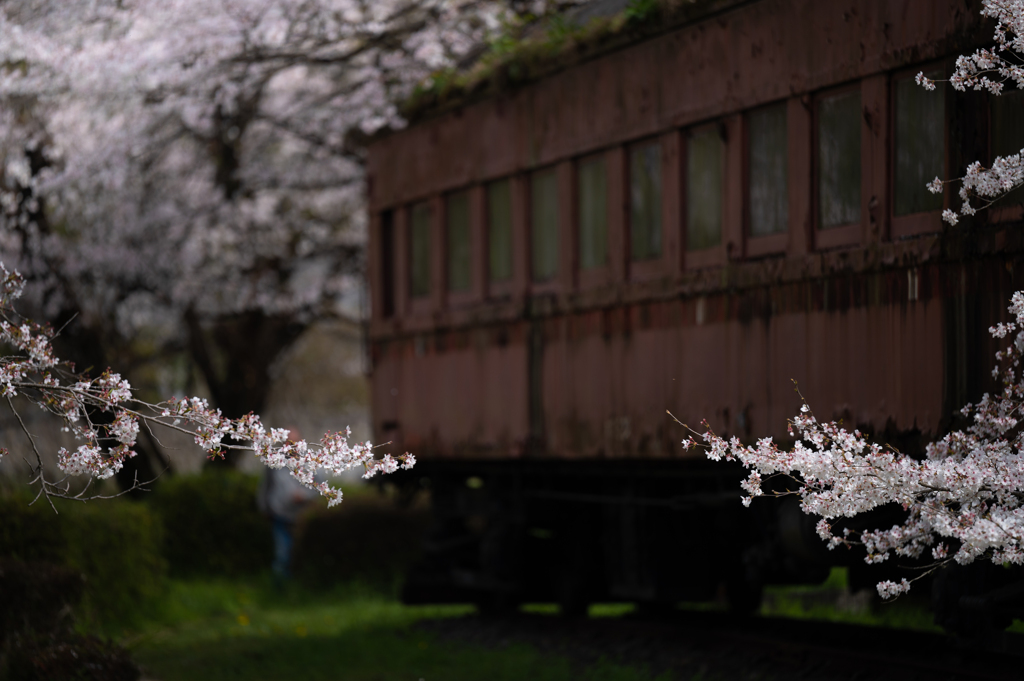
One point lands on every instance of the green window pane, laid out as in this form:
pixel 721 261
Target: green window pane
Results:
pixel 459 253
pixel 920 147
pixel 839 160
pixel 499 230
pixel 645 201
pixel 704 171
pixel 544 224
pixel 769 201
pixel 387 263
pixel 419 250
pixel 593 212
pixel 1008 133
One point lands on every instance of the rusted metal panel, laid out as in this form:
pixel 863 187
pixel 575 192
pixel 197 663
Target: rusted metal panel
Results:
pixel 886 334
pixel 453 395
pixel 880 352
pixel 758 53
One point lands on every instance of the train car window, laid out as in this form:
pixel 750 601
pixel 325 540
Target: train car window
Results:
pixel 705 164
pixel 592 182
pixel 839 118
pixel 387 263
pixel 1008 133
pixel 544 224
pixel 459 253
pixel 645 201
pixel 419 250
pixel 768 199
pixel 920 146
pixel 499 230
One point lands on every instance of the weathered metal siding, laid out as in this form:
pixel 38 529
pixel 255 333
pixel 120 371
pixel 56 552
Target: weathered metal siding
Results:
pixel 460 394
pixel 886 334
pixel 607 376
pixel 762 52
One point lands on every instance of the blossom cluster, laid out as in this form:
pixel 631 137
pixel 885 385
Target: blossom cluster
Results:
pixel 205 156
pixel 964 500
pixel 990 70
pixel 105 415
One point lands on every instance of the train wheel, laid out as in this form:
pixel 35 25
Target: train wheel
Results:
pixel 572 597
pixel 655 610
pixel 742 596
pixel 496 604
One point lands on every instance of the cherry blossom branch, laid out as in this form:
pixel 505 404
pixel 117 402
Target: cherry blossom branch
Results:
pixel 35 372
pixel 989 70
pixel 964 500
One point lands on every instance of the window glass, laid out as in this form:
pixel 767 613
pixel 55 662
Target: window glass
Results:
pixel 593 212
pixel 499 230
pixel 839 160
pixel 1008 133
pixel 768 200
pixel 387 263
pixel 920 147
pixel 419 250
pixel 704 170
pixel 645 201
pixel 544 224
pixel 457 214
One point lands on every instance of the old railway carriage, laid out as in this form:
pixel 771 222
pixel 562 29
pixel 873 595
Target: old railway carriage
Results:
pixel 688 220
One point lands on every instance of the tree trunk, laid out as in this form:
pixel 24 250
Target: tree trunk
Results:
pixel 234 355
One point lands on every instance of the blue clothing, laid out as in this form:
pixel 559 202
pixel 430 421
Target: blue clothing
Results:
pixel 283 541
pixel 283 498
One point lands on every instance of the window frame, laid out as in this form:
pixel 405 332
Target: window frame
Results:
pixel 850 234
pixel 926 222
pixel 712 256
pixel 448 197
pixel 765 244
pixel 670 147
pixel 421 305
pixel 601 274
pixel 475 204
pixel 387 228
pixel 631 147
pixel 553 283
pixel 1000 213
pixel 497 287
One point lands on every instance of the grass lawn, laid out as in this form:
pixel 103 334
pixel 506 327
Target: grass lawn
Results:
pixel 225 630
pixel 248 630
pixel 822 602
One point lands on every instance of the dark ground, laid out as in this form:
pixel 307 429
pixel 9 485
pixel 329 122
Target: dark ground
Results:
pixel 711 645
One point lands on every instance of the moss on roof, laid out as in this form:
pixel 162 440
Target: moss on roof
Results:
pixel 524 54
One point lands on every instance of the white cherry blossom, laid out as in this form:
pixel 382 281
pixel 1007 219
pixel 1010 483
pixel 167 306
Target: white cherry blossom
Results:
pixel 992 70
pixel 33 371
pixel 964 500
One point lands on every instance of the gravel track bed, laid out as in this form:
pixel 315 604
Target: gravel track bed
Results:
pixel 709 645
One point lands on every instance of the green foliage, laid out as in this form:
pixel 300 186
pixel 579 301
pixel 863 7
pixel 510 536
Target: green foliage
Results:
pixel 114 543
pixel 367 539
pixel 211 524
pixel 236 630
pixel 518 55
pixel 832 601
pixel 37 598
pixel 639 11
pixel 559 30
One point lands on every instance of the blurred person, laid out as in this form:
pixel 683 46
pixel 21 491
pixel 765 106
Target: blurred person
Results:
pixel 282 498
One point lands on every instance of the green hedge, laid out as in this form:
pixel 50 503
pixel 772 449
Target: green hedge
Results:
pixel 114 543
pixel 211 524
pixel 367 539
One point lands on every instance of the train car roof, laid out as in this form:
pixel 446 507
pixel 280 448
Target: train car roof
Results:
pixel 544 47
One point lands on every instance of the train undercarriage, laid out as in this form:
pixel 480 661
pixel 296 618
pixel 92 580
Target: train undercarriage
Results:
pixel 653 533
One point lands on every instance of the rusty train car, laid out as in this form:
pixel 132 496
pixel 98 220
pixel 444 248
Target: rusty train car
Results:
pixel 687 220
